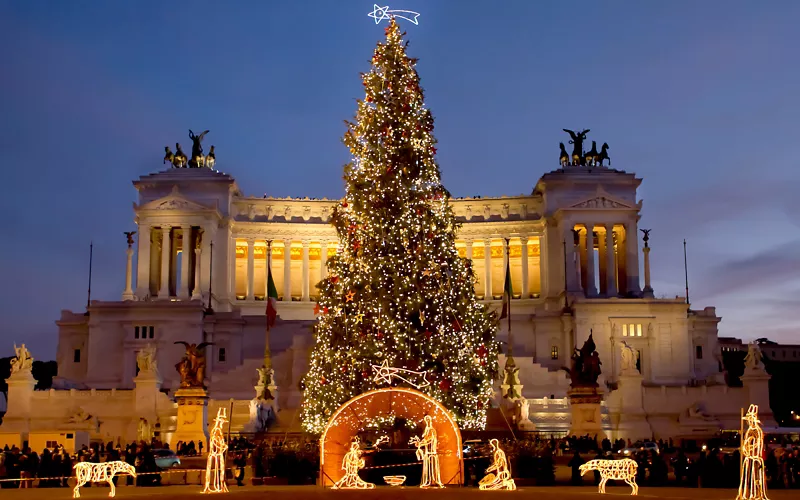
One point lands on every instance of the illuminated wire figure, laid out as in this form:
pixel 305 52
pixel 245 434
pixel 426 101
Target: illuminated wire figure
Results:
pixel 618 470
pixel 752 482
pixel 215 466
pixel 501 479
pixel 89 472
pixel 427 452
pixel 351 464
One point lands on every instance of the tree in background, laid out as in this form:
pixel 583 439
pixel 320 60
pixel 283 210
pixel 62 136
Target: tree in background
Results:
pixel 397 290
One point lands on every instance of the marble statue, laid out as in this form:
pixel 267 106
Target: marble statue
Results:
pixel 753 362
pixel 628 358
pixel 23 361
pixel 146 360
pixel 524 409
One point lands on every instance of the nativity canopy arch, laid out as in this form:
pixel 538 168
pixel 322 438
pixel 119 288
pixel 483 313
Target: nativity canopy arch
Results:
pixel 352 417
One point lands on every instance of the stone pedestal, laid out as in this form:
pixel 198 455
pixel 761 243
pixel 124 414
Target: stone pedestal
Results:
pixel 20 392
pixel 192 423
pixel 584 404
pixel 626 408
pixel 148 387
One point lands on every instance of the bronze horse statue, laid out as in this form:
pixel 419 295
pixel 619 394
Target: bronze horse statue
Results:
pixel 603 155
pixel 591 155
pixel 563 157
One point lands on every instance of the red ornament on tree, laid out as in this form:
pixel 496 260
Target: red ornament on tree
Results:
pixel 445 384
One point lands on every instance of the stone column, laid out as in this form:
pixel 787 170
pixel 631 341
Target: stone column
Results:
pixel 143 266
pixel 323 260
pixel 569 254
pixel 506 262
pixel 581 251
pixel 487 259
pixel 186 261
pixel 163 292
pixel 128 293
pixel 611 267
pixel 250 268
pixel 197 293
pixel 304 288
pixel 648 290
pixel 591 287
pixel 287 270
pixel 523 243
pixel 468 252
pixel 632 258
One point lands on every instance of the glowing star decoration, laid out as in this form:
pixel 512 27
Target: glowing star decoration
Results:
pixel 88 472
pixel 380 13
pixel 752 481
pixel 385 373
pixel 351 464
pixel 215 465
pixel 427 452
pixel 350 296
pixel 501 479
pixel 618 470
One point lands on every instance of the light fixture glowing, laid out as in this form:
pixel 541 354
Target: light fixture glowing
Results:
pixel 617 470
pixel 352 463
pixel 498 475
pixel 380 13
pixel 215 465
pixel 385 373
pixel 428 454
pixel 752 480
pixel 88 472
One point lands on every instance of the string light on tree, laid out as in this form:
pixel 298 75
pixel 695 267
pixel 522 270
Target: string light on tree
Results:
pixel 617 470
pixel 88 472
pixel 406 296
pixel 385 373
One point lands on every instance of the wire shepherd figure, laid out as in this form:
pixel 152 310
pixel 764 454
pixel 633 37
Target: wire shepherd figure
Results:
pixel 352 463
pixel 215 466
pixel 427 452
pixel 501 479
pixel 752 482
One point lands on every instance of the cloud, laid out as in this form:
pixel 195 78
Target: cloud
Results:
pixel 776 266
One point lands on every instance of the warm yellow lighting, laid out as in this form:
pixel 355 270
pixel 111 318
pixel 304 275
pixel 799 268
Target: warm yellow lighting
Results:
pixel 88 472
pixel 752 480
pixel 617 470
pixel 428 453
pixel 394 480
pixel 498 475
pixel 215 465
pixel 351 464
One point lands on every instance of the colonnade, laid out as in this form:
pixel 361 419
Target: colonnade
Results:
pixel 618 266
pixel 158 273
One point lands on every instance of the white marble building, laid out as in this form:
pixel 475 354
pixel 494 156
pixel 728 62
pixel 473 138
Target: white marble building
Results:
pixel 198 234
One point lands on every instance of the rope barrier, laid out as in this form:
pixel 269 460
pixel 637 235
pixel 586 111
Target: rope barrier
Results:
pixel 60 478
pixel 415 463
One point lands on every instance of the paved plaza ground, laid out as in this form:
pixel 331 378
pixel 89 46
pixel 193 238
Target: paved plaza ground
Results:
pixel 312 492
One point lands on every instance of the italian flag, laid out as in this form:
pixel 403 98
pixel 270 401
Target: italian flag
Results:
pixel 272 299
pixel 508 292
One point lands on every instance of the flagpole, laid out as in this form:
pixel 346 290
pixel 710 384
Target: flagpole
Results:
pixel 508 277
pixel 267 351
pixel 89 293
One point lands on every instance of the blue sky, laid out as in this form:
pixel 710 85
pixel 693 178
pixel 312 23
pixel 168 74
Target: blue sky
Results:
pixel 698 98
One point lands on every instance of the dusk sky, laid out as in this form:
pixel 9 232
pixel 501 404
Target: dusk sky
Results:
pixel 700 99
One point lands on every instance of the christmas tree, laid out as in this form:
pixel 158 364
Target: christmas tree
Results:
pixel 397 291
